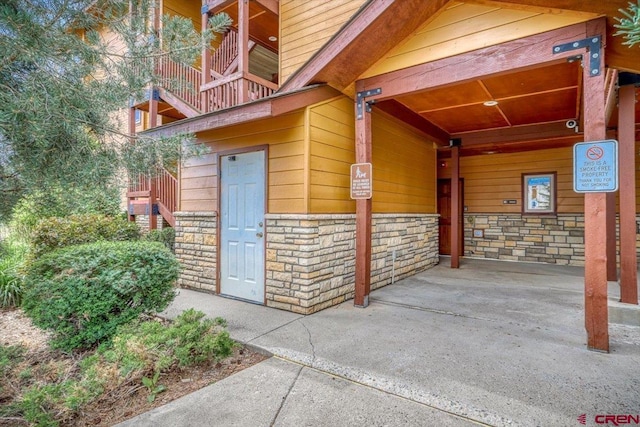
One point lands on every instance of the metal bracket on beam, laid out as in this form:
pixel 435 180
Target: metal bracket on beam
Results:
pixel 593 45
pixel 153 95
pixel 204 9
pixel 362 105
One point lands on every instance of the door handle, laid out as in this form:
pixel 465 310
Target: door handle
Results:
pixel 258 234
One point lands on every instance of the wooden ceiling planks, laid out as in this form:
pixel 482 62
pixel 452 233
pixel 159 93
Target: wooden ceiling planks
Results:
pixel 263 23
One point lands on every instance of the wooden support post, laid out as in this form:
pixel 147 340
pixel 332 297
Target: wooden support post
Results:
pixel 243 49
pixel 153 108
pixel 153 122
pixel 612 241
pixel 153 219
pixel 455 206
pixel 132 132
pixel 627 166
pixel 363 215
pixel 157 12
pixel 205 66
pixel 595 209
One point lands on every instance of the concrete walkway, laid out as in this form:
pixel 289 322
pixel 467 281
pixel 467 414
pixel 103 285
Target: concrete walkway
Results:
pixel 492 343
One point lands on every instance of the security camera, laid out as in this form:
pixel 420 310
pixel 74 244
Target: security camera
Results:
pixel 571 124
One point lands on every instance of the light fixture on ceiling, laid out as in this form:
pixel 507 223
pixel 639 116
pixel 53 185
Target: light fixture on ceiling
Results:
pixel 272 38
pixel 491 103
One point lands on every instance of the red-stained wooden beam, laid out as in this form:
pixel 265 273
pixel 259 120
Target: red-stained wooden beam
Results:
pixel 243 48
pixel 610 81
pixel 455 207
pixel 627 167
pixel 527 53
pixel 523 133
pixel 153 108
pixel 401 112
pixel 595 215
pixel 375 28
pixel 132 132
pixel 153 219
pixel 286 104
pixel 153 122
pixel 363 213
pixel 205 64
pixel 612 239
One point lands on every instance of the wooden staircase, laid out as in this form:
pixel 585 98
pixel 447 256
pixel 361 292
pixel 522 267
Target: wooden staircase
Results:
pixel 152 197
pixel 181 88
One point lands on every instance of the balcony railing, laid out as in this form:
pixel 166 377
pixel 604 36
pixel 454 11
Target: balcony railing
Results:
pixel 166 188
pixel 181 80
pixel 224 55
pixel 160 190
pixel 227 92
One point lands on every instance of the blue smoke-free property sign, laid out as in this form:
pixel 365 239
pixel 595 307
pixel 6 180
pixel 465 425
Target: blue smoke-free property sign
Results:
pixel 595 167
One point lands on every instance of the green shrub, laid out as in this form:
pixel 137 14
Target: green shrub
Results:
pixel 61 202
pixel 166 236
pixel 11 257
pixel 83 293
pixel 151 346
pixel 10 288
pixel 56 233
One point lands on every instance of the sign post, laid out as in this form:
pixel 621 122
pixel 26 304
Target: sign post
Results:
pixel 595 167
pixel 595 173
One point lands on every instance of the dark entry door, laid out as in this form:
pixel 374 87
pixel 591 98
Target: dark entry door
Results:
pixel 444 209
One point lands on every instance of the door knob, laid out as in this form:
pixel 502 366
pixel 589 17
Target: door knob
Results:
pixel 258 234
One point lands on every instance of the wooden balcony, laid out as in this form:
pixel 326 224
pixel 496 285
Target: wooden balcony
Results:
pixel 181 87
pixel 234 90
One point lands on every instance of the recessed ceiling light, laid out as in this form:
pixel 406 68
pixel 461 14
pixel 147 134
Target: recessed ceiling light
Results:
pixel 272 38
pixel 491 103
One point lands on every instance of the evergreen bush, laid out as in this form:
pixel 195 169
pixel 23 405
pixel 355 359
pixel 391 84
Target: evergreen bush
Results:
pixel 166 236
pixel 83 293
pixel 56 233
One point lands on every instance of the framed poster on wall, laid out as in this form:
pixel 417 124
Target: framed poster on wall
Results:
pixel 539 193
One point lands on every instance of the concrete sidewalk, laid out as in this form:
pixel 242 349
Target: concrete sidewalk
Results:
pixel 492 343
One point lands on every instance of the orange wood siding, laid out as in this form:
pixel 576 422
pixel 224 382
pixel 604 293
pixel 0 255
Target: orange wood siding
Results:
pixel 461 28
pixel 490 179
pixel 404 177
pixel 285 137
pixel 307 25
pixel 332 151
pixel 186 8
pixel 404 168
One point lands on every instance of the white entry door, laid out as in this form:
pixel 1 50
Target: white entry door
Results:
pixel 242 212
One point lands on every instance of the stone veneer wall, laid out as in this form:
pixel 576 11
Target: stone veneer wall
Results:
pixel 143 222
pixel 195 247
pixel 310 259
pixel 557 239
